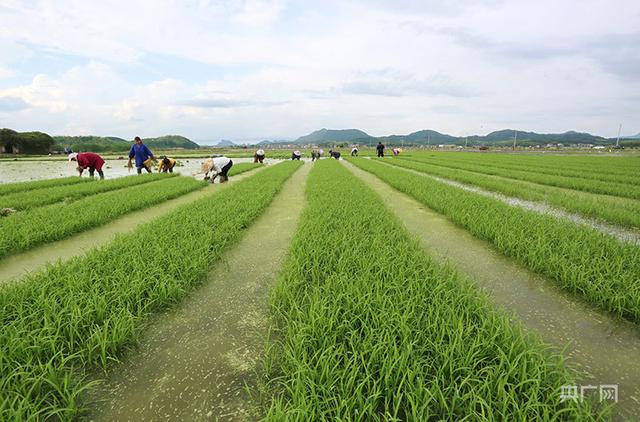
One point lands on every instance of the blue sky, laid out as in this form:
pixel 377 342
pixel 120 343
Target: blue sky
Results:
pixel 277 69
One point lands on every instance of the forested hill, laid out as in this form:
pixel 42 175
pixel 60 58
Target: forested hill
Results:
pixel 115 144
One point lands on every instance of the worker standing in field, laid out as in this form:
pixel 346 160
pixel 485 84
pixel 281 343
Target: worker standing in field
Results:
pixel 142 154
pixel 166 165
pixel 258 157
pixel 295 155
pixel 219 166
pixel 88 160
pixel 315 155
pixel 380 149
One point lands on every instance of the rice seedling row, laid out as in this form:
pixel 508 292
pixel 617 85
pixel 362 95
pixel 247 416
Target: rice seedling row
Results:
pixel 518 165
pixel 582 260
pixel 30 228
pixel 24 230
pixel 31 199
pixel 62 322
pixel 8 188
pixel 594 186
pixel 379 331
pixel 620 166
pixel 617 210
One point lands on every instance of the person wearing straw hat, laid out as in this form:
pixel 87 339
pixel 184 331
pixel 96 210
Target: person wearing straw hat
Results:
pixel 258 157
pixel 217 166
pixel 142 154
pixel 88 160
pixel 295 155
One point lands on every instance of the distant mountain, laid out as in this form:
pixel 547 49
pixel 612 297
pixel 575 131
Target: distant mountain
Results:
pixel 115 144
pixel 570 137
pixel 225 143
pixel 422 137
pixel 170 141
pixel 331 135
pixel 431 137
pixel 636 136
pixel 91 143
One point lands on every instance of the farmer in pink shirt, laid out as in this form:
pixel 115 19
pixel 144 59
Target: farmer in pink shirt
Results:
pixel 89 160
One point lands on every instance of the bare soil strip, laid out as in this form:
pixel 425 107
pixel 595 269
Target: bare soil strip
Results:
pixel 621 233
pixel 17 265
pixel 194 362
pixel 603 348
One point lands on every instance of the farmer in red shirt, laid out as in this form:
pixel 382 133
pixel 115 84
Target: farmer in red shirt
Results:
pixel 89 160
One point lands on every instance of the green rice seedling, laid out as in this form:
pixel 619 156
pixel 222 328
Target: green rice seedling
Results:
pixel 79 316
pixel 582 260
pixel 367 327
pixel 594 186
pixel 31 199
pixel 581 164
pixel 605 169
pixel 24 230
pixel 8 188
pixel 617 210
pixel 240 168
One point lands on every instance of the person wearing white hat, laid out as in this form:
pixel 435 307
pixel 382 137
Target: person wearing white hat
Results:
pixel 258 157
pixel 295 155
pixel 89 160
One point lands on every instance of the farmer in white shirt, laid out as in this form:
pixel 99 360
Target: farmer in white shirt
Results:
pixel 219 166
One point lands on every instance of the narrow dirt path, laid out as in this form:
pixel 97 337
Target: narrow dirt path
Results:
pixel 604 348
pixel 17 265
pixel 193 363
pixel 621 233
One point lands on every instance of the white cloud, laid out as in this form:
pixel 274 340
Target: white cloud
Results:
pixel 281 68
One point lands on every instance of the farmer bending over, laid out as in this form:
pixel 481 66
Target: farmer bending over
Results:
pixel 258 157
pixel 334 154
pixel 219 166
pixel 89 160
pixel 142 154
pixel 166 165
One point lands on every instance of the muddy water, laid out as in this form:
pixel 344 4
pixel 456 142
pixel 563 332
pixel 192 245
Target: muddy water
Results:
pixel 22 171
pixel 193 362
pixel 604 349
pixel 629 235
pixel 35 259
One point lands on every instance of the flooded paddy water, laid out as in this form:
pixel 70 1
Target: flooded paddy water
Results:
pixel 194 361
pixel 27 170
pixel 17 265
pixel 604 349
pixel 624 234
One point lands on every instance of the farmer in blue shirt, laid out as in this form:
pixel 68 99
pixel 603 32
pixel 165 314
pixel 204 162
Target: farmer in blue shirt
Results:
pixel 142 154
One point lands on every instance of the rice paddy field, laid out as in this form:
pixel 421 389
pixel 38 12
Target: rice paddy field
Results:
pixel 424 287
